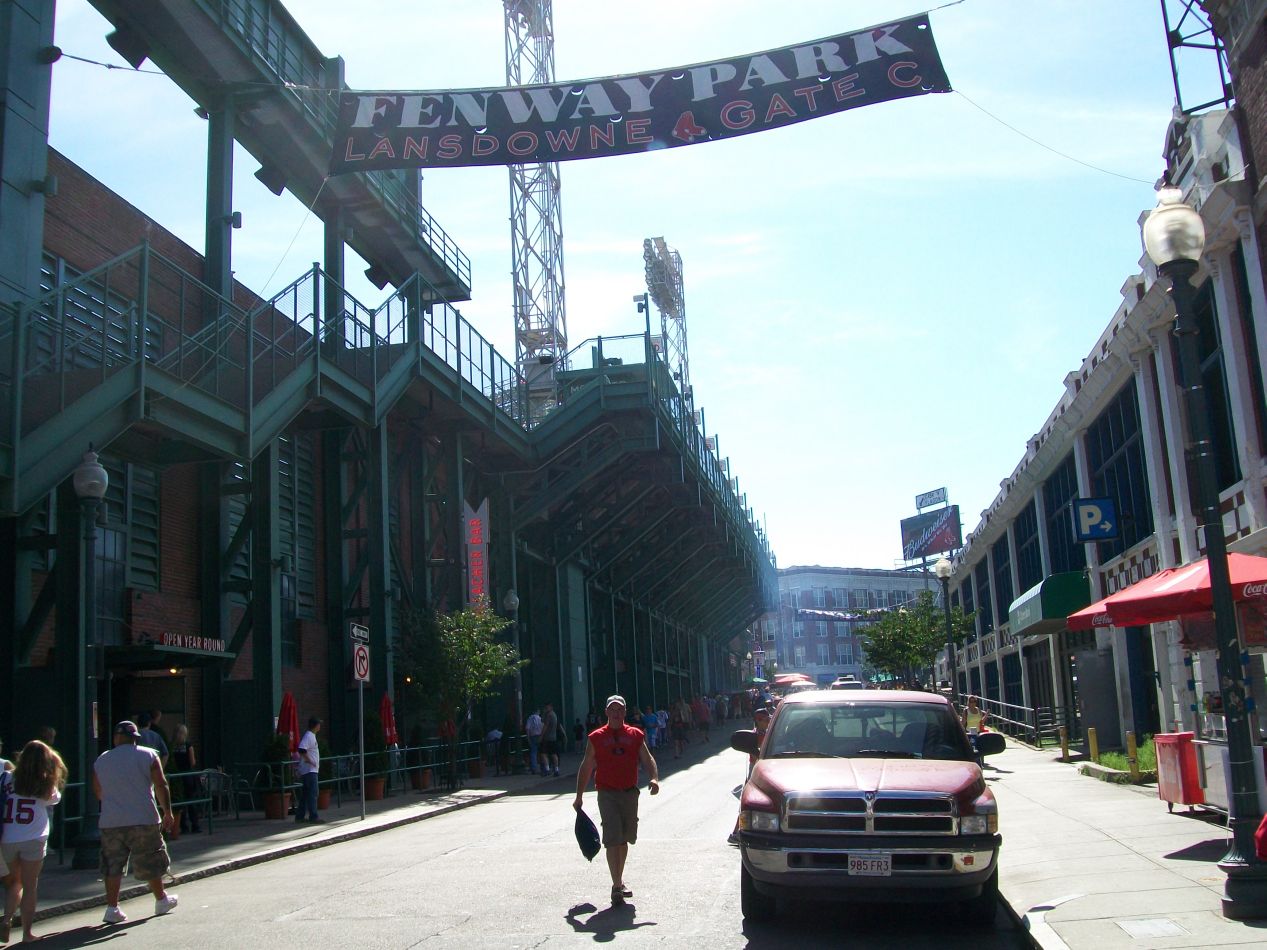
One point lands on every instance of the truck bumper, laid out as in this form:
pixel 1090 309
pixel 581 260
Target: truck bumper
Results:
pixel 923 870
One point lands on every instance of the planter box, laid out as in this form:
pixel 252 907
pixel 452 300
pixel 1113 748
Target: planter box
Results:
pixel 323 798
pixel 374 788
pixel 1115 776
pixel 276 804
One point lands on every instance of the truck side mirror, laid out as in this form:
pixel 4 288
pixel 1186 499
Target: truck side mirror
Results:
pixel 745 740
pixel 990 743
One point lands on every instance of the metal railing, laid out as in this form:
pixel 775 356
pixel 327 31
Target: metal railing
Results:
pixel 140 309
pixel 281 49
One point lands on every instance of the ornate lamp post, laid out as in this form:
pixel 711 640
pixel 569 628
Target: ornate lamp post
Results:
pixel 510 603
pixel 1174 237
pixel 943 569
pixel 90 481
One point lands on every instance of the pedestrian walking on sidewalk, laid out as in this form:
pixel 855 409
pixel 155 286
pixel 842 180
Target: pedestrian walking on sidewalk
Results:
pixel 34 787
pixel 612 757
pixel 550 736
pixel 130 783
pixel 185 759
pixel 532 729
pixel 308 769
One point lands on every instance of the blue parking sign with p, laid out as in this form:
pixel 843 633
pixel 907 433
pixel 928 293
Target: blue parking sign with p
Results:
pixel 1094 519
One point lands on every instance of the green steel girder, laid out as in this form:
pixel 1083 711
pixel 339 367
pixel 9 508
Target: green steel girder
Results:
pixel 594 513
pixel 703 556
pixel 575 474
pixel 676 537
pixel 608 559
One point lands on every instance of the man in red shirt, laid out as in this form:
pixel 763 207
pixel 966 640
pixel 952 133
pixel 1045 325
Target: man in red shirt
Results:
pixel 612 755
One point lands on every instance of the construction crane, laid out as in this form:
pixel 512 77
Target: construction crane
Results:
pixel 536 219
pixel 663 266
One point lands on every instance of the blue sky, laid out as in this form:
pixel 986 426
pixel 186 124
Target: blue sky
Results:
pixel 878 303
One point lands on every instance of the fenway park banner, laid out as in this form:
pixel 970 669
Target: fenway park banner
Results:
pixel 638 112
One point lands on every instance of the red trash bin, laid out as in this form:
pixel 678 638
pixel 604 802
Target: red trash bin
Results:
pixel 1178 781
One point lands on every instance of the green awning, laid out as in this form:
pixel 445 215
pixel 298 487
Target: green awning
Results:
pixel 1043 608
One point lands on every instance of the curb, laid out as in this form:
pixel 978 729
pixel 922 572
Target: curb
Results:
pixel 1021 921
pixel 234 864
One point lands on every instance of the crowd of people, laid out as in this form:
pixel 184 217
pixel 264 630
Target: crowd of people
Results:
pixel 129 781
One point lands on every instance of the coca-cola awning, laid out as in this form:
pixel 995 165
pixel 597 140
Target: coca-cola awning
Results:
pixel 1174 593
pixel 516 125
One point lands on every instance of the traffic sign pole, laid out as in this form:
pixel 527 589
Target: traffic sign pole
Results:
pixel 360 737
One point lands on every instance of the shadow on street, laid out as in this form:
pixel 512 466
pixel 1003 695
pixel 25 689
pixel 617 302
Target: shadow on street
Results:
pixel 910 926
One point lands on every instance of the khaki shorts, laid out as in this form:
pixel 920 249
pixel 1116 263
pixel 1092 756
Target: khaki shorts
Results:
pixel 142 843
pixel 26 850
pixel 618 811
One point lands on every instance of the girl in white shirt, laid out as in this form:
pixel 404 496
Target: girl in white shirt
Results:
pixel 35 786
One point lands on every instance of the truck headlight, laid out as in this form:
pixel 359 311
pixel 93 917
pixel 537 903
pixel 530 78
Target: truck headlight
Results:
pixel 750 820
pixel 983 818
pixel 978 824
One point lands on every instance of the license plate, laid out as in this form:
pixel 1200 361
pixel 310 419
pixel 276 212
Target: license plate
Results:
pixel 871 864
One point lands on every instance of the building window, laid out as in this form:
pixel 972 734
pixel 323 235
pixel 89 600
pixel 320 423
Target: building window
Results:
pixel 1214 379
pixel 1029 561
pixel 821 626
pixel 841 596
pixel 798 629
pixel 1001 553
pixel 858 599
pixel 820 596
pixel 798 656
pixel 1059 492
pixel 823 658
pixel 1115 454
pixel 1250 350
pixel 769 633
pixel 985 616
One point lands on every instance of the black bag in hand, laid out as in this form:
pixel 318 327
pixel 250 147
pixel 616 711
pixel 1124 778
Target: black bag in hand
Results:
pixel 587 836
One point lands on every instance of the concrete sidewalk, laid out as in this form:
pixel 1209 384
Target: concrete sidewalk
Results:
pixel 1089 864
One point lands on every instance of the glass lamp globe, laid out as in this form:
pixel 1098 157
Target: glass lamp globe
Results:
pixel 943 568
pixel 90 478
pixel 1173 231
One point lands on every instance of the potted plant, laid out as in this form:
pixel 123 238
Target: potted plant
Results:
pixel 276 758
pixel 419 776
pixel 325 772
pixel 375 758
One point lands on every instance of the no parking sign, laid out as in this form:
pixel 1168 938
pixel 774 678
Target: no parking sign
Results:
pixel 361 662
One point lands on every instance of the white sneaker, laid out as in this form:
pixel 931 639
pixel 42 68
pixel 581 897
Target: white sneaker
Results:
pixel 114 916
pixel 165 905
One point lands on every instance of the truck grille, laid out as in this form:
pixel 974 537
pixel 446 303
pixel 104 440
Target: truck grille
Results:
pixel 882 813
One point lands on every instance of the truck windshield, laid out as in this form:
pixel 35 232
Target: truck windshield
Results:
pixel 899 730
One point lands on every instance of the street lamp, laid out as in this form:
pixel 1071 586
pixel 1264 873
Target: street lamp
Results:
pixel 943 569
pixel 90 481
pixel 510 603
pixel 1174 237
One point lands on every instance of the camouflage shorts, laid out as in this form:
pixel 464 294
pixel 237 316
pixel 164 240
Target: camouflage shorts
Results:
pixel 142 843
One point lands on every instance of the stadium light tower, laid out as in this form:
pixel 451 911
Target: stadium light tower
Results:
pixel 536 218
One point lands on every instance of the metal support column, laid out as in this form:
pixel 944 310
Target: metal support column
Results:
pixel 379 530
pixel 266 602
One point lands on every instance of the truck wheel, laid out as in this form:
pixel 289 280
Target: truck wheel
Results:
pixel 980 911
pixel 754 906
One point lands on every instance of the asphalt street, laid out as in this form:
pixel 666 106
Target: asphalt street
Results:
pixel 508 874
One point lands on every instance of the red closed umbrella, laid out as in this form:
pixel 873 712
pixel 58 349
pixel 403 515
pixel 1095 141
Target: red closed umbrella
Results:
pixel 288 722
pixel 388 714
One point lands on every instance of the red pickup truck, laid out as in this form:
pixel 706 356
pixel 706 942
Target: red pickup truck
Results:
pixel 868 795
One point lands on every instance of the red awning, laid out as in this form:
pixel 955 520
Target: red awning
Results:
pixel 1174 593
pixel 1088 618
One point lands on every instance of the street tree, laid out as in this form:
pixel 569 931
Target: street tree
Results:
pixel 451 661
pixel 908 638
